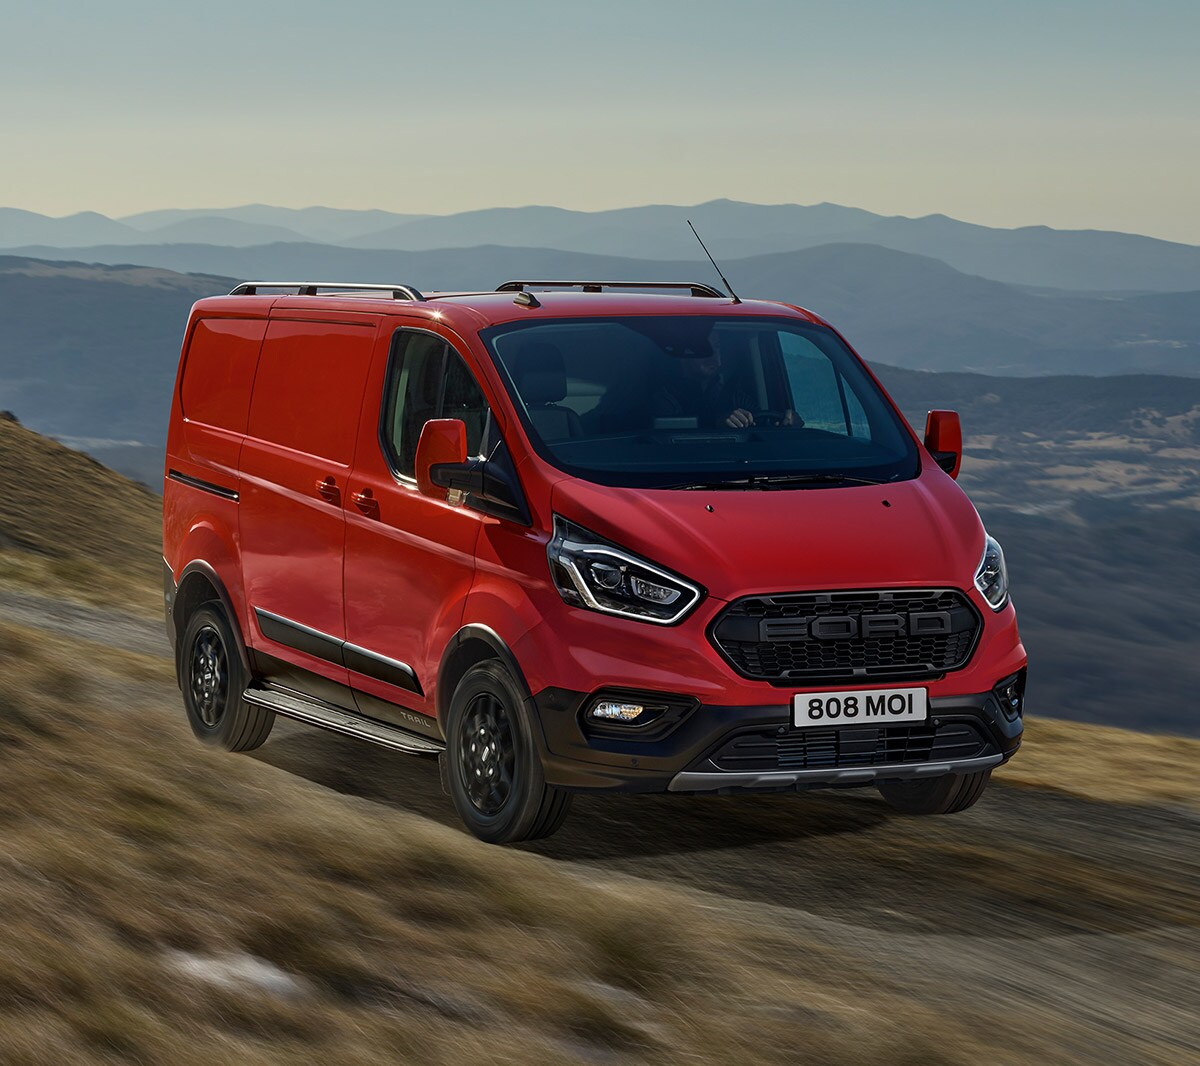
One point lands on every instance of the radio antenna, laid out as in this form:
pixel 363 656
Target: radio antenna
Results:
pixel 736 299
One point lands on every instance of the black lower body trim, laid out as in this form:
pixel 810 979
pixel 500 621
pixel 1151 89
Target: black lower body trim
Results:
pixel 170 589
pixel 971 727
pixel 294 635
pixel 284 675
pixel 380 667
pixel 335 650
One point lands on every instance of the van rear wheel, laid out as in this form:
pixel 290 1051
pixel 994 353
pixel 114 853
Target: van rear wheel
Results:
pixel 213 679
pixel 494 770
pixel 948 794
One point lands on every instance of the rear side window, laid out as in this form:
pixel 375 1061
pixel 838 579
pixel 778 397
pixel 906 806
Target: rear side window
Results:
pixel 218 371
pixel 428 379
pixel 309 387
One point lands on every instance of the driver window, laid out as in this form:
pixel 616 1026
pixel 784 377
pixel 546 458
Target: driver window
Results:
pixel 428 379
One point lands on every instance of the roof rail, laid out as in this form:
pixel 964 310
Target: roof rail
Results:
pixel 311 288
pixel 698 288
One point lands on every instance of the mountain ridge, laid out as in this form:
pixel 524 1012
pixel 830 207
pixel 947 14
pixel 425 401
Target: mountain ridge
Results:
pixel 1088 260
pixel 895 307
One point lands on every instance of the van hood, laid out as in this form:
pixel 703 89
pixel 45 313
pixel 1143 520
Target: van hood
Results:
pixel 737 542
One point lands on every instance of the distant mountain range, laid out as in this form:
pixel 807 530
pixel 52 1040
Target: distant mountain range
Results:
pixel 1032 256
pixel 896 308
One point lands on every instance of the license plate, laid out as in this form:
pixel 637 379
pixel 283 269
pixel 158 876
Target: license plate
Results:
pixel 877 706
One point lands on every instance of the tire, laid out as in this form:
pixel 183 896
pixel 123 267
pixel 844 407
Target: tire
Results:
pixel 213 679
pixel 493 769
pixel 939 795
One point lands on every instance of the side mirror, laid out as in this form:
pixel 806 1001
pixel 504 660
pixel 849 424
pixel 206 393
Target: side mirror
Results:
pixel 442 440
pixel 943 440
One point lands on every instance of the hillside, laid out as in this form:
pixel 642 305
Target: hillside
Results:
pixel 61 504
pixel 1027 256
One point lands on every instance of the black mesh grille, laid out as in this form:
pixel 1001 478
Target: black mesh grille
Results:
pixel 834 749
pixel 897 633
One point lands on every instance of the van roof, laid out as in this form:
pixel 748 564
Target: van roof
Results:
pixel 512 301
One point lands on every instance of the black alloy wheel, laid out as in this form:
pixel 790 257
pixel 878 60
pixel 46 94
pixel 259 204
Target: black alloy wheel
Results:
pixel 213 677
pixel 493 768
pixel 489 757
pixel 209 676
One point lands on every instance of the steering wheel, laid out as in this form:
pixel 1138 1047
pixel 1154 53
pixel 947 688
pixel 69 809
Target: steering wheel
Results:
pixel 769 418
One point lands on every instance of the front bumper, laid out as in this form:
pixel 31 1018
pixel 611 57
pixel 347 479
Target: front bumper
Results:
pixel 744 749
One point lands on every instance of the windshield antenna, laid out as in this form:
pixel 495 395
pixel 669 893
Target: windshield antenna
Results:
pixel 735 296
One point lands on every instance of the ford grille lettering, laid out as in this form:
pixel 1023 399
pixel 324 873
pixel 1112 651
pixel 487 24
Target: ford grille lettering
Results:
pixel 848 627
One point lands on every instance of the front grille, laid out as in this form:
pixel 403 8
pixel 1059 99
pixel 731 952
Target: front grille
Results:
pixel 836 749
pixel 851 636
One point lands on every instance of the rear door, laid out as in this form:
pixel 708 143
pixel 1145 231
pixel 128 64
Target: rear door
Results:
pixel 410 559
pixel 295 463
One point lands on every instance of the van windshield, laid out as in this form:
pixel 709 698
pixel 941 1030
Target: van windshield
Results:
pixel 684 401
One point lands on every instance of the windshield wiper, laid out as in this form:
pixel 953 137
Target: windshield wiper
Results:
pixel 781 481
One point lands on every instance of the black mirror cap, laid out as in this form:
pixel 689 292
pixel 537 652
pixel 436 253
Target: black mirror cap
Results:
pixel 489 486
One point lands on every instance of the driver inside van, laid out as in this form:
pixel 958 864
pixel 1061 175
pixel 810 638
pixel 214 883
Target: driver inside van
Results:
pixel 699 389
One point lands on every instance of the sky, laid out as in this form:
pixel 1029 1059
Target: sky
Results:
pixel 1067 113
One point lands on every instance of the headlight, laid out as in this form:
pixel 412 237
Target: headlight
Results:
pixel 992 576
pixel 590 572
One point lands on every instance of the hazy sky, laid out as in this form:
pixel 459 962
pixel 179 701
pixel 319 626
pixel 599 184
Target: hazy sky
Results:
pixel 1071 113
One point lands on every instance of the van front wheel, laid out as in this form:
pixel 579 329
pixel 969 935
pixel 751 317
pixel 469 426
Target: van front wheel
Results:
pixel 948 794
pixel 495 773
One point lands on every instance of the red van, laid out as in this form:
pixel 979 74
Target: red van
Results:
pixel 574 536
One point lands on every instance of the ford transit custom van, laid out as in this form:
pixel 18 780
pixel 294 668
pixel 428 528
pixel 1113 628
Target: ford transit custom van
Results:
pixel 579 536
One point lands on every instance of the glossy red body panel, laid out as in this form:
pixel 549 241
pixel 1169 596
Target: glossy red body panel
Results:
pixel 573 648
pixel 409 566
pixel 910 533
pixel 292 535
pixel 418 569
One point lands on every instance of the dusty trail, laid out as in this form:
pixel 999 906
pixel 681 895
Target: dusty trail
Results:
pixel 1054 925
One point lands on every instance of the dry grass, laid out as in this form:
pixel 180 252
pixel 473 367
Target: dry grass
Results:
pixel 1106 764
pixel 127 844
pixel 71 577
pixel 64 506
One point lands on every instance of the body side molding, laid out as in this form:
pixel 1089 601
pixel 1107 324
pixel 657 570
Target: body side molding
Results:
pixel 381 667
pixel 204 486
pixel 335 650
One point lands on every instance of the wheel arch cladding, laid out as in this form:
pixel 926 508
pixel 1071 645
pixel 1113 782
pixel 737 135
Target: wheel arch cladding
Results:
pixel 473 644
pixel 199 584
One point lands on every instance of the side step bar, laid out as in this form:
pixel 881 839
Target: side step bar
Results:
pixel 315 712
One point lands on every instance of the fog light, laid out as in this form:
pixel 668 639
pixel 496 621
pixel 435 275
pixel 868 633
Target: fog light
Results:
pixel 613 711
pixel 1011 694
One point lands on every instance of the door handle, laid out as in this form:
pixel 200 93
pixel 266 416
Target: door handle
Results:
pixel 365 501
pixel 329 491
